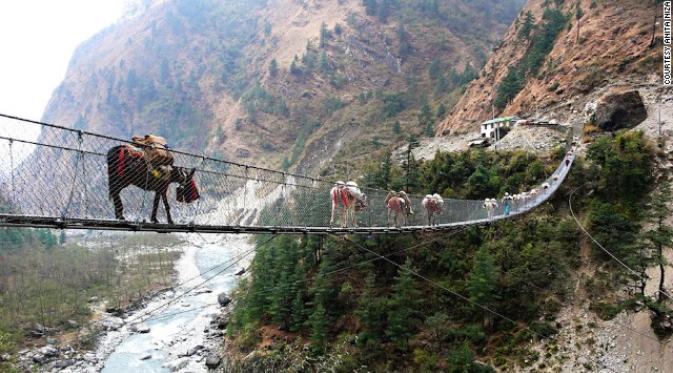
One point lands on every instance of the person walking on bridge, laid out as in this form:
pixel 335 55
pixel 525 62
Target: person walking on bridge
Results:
pixel 507 203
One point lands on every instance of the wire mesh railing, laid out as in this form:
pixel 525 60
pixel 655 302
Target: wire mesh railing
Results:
pixel 68 178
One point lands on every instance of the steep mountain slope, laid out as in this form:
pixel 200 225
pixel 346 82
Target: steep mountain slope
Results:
pixel 278 81
pixel 555 71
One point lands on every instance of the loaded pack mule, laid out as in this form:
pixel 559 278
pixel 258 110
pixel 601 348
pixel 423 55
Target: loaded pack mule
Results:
pixel 433 203
pixel 129 165
pixel 398 205
pixel 352 200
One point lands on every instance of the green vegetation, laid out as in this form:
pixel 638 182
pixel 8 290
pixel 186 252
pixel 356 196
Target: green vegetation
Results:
pixel 273 68
pixel 259 99
pixel 405 47
pixel 324 35
pixel 426 120
pixel 393 104
pixel 520 268
pixel 527 26
pixel 51 285
pixel 541 41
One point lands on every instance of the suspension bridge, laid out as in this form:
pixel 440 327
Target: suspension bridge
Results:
pixel 59 179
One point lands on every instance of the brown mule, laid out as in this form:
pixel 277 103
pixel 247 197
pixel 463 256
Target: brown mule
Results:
pixel 128 166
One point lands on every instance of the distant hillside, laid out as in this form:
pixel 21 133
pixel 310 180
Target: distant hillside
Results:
pixel 559 55
pixel 281 82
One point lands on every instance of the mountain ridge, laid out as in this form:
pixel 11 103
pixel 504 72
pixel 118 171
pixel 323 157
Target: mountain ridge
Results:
pixel 200 74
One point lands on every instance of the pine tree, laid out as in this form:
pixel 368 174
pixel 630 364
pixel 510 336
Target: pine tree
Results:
pixel 397 127
pixel 319 326
pixel 579 13
pixel 370 7
pixel 508 88
pixel 371 314
pixel 384 178
pixel 298 312
pixel 324 35
pixel 280 299
pixel 294 67
pixel 482 282
pixel 405 45
pixel 273 68
pixel 660 236
pixel 262 281
pixel 323 64
pixel 338 29
pixel 441 111
pixel 527 27
pixel 286 164
pixel 435 69
pixel 323 295
pixel 267 28
pixel 402 307
pixel 468 75
pixel 384 10
pixel 441 85
pixel 425 120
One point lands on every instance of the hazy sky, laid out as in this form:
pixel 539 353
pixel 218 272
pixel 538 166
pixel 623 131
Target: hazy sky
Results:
pixel 37 38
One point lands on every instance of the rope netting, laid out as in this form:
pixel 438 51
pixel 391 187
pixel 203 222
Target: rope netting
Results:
pixel 67 175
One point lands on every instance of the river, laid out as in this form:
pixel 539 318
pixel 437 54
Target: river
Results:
pixel 179 327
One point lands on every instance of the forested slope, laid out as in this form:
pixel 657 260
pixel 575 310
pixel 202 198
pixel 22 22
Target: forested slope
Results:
pixel 328 303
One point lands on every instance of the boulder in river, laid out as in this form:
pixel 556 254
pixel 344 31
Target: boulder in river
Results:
pixel 139 328
pixel 223 299
pixel 111 323
pixel 114 311
pixel 146 357
pixel 212 361
pixel 222 321
pixel 192 351
pixel 62 364
pixel 177 366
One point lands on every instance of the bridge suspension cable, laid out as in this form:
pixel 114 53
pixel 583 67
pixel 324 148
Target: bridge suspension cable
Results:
pixel 637 274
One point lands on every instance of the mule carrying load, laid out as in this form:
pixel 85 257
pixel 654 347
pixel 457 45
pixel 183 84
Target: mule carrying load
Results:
pixel 352 200
pixel 148 164
pixel 155 149
pixel 398 205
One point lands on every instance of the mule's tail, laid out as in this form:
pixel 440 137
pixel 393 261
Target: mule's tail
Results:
pixel 115 167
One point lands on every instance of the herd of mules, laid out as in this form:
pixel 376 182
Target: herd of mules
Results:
pixel 148 164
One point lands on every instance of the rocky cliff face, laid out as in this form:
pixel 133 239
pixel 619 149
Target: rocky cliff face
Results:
pixel 280 81
pixel 598 45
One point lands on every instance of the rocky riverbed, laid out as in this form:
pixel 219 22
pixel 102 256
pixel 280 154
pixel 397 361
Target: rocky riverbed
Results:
pixel 179 329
